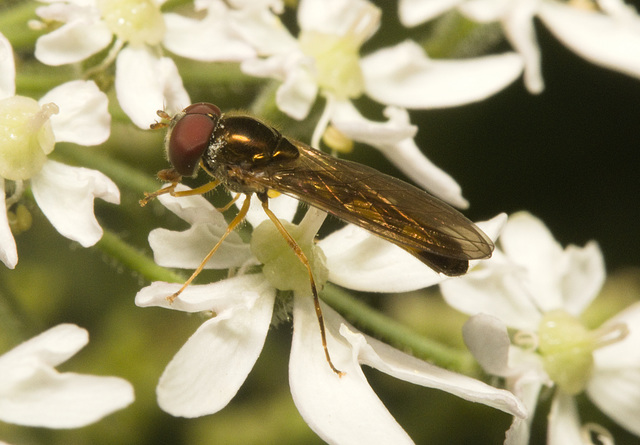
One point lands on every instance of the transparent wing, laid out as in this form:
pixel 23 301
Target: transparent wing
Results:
pixel 428 228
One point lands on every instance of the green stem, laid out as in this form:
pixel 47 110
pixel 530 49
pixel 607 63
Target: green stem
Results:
pixel 14 25
pixel 398 334
pixel 121 173
pixel 135 260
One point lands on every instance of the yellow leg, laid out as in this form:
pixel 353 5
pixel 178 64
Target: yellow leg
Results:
pixel 303 258
pixel 232 225
pixel 171 190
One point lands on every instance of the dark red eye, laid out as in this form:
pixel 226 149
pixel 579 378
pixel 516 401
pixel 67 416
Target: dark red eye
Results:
pixel 190 137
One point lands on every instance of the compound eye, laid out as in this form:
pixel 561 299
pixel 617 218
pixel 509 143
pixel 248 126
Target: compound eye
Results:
pixel 203 108
pixel 190 137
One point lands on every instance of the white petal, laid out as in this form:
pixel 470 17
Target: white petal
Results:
pixel 527 389
pixel 52 347
pixel 487 339
pixel 519 28
pixel 403 75
pixel 485 11
pixel 40 396
pixel 263 30
pixel 8 249
pixel 210 39
pixel 414 12
pixel 607 41
pixel 7 69
pixel 146 83
pixel 210 368
pixel 564 423
pixel 194 209
pixel 73 42
pixel 343 409
pixel 359 260
pixel 346 118
pixel 394 139
pixel 84 116
pixel 65 400
pixel 615 385
pixel 219 296
pixel 65 194
pixel 584 276
pixel 528 243
pixel 339 17
pixel 556 279
pixel 284 207
pixel 188 248
pixel 494 288
pixel 297 93
pixel 408 368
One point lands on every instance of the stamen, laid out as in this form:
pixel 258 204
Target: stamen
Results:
pixel 593 433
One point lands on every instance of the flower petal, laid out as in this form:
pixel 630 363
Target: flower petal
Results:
pixel 394 139
pixel 557 279
pixel 487 339
pixel 339 409
pixel 410 369
pixel 34 394
pixel 527 388
pixel 66 400
pixel 298 92
pixel 584 276
pixel 615 385
pixel 414 12
pixel 564 423
pixel 72 42
pixel 339 17
pixel 7 69
pixel 146 83
pixel 519 28
pixel 210 39
pixel 65 194
pixel 84 116
pixel 52 347
pixel 8 249
pixel 345 409
pixel 218 297
pixel 284 207
pixel 359 260
pixel 607 41
pixel 404 76
pixel 194 209
pixel 212 365
pixel 188 248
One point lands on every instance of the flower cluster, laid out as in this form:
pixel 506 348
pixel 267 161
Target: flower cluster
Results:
pixel 331 63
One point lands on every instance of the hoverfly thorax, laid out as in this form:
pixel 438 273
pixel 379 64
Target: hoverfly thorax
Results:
pixel 242 149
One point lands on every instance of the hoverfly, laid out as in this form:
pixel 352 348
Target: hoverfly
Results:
pixel 249 157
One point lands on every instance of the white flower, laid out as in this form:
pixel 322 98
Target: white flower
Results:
pixel 33 393
pixel 325 59
pixel 533 286
pixel 145 81
pixel 73 112
pixel 210 368
pixel 604 32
